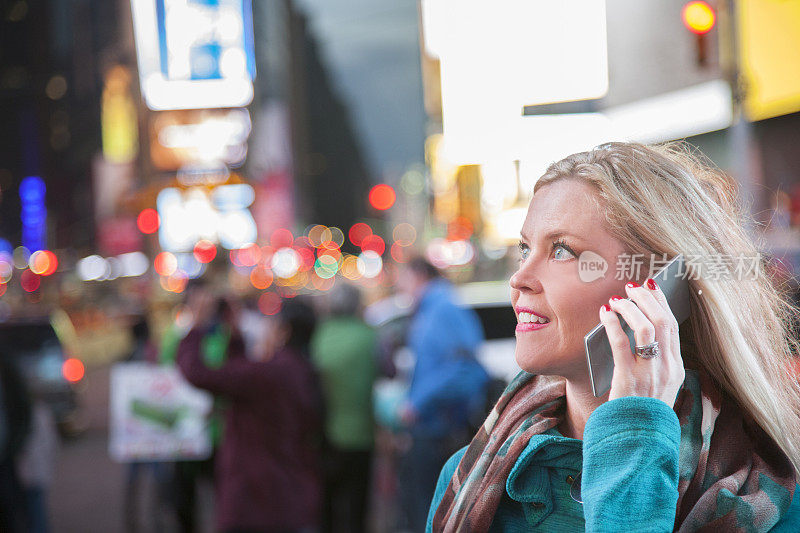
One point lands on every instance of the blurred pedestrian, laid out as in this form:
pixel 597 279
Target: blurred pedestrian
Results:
pixel 267 472
pixel 448 387
pixel 15 423
pixel 220 336
pixel 37 463
pixel 144 350
pixel 343 350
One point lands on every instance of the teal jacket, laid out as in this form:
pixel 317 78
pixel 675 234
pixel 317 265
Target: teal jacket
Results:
pixel 629 459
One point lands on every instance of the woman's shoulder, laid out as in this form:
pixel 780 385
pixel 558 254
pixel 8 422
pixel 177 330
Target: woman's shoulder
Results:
pixel 790 522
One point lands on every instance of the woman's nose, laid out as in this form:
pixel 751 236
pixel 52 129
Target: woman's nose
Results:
pixel 526 278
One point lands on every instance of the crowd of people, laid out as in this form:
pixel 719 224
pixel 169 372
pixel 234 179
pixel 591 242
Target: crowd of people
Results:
pixel 292 426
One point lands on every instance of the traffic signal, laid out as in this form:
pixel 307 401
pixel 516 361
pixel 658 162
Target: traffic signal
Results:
pixel 699 18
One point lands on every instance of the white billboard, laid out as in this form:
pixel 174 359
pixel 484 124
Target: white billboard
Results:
pixel 194 54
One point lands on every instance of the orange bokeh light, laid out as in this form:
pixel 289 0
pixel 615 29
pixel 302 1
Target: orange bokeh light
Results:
pixel 73 370
pixel 382 197
pixel 165 264
pixel 260 278
pixel 43 262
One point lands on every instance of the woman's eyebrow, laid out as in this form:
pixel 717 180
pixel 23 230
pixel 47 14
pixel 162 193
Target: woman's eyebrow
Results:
pixel 555 234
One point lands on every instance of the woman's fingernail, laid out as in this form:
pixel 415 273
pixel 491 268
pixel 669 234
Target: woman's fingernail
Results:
pixel 615 297
pixel 651 284
pixel 631 285
pixel 606 307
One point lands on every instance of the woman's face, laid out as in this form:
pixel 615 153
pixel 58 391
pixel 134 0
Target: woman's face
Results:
pixel 562 223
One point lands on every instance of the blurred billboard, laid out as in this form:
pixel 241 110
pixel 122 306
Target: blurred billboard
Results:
pixel 194 54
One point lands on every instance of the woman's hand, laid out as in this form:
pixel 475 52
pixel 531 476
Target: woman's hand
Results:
pixel 649 316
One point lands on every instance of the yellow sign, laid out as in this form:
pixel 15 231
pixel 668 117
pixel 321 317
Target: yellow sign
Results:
pixel 769 33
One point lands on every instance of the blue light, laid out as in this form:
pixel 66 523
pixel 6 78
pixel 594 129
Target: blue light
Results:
pixel 32 193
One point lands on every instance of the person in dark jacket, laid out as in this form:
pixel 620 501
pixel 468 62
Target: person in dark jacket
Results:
pixel 267 469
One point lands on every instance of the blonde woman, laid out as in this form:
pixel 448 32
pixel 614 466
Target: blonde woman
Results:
pixel 701 427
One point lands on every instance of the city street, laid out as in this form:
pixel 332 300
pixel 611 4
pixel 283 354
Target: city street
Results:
pixel 87 494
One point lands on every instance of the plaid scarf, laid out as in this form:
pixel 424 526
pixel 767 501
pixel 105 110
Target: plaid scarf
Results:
pixel 738 480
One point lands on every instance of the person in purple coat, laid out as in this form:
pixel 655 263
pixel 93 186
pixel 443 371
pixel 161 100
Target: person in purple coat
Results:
pixel 267 470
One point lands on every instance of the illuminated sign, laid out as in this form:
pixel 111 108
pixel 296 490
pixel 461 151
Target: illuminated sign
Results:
pixel 194 54
pixel 34 213
pixel 193 215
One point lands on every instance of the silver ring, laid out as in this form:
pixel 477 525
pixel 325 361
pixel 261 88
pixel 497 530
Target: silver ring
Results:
pixel 648 351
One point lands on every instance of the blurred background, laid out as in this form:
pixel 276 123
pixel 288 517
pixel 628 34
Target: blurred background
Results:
pixel 279 149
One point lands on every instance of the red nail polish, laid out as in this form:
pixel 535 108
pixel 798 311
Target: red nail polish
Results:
pixel 606 307
pixel 631 285
pixel 651 284
pixel 615 297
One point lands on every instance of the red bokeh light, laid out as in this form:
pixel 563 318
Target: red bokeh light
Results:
pixel 359 232
pixel 29 281
pixel 205 251
pixel 250 255
pixel 399 253
pixel 306 259
pixel 148 221
pixel 382 197
pixel 73 370
pixel 281 238
pixel 374 243
pixel 3 288
pixel 269 303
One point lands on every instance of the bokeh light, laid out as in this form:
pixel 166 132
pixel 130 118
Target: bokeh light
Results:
pixel 29 281
pixel 165 264
pixel 373 243
pixel 249 255
pixel 459 229
pixel 281 238
pixel 285 263
pixel 404 234
pixel 698 17
pixel 73 370
pixel 358 232
pixel 260 278
pixel 269 303
pixel 401 254
pixel 369 264
pixel 382 197
pixel 318 235
pixel 205 251
pixel 148 221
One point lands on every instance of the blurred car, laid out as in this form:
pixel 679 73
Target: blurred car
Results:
pixel 34 347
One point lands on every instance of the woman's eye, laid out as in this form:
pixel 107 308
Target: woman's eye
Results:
pixel 565 254
pixel 524 251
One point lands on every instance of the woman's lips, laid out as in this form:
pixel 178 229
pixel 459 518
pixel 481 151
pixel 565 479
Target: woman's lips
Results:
pixel 531 326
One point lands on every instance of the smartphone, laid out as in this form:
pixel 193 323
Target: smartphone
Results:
pixel 673 283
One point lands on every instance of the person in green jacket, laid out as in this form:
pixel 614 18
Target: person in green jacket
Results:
pixel 698 431
pixel 343 351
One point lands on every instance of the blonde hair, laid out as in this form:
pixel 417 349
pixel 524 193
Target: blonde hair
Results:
pixel 667 200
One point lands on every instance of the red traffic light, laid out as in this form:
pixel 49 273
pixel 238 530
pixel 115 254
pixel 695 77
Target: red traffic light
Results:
pixel 698 17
